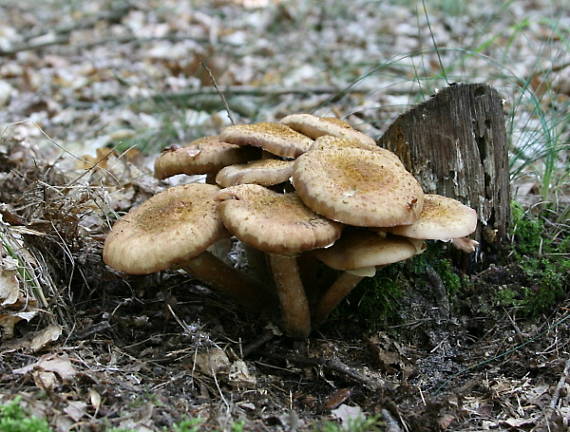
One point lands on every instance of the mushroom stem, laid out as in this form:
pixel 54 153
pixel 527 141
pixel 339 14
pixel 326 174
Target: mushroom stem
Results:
pixel 217 274
pixel 294 305
pixel 334 295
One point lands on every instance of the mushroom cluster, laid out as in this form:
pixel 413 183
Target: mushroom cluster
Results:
pixel 305 186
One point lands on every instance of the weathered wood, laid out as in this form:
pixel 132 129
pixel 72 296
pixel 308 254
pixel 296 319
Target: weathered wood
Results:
pixel 455 144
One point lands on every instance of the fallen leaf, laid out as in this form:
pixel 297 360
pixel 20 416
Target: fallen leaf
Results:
pixel 9 319
pixel 95 399
pixel 49 334
pixel 60 365
pixel 44 379
pixel 336 398
pixel 513 422
pixel 239 375
pixel 76 410
pixel 9 286
pixel 212 361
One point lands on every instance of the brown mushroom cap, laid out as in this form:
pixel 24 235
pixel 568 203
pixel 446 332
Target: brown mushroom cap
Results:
pixel 441 218
pixel 176 224
pixel 357 187
pixel 201 156
pixel 273 222
pixel 357 249
pixel 328 141
pixel 275 138
pixel 314 127
pixel 265 172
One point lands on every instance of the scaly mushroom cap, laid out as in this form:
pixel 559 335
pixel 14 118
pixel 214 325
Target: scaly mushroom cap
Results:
pixel 265 172
pixel 273 222
pixel 357 187
pixel 176 224
pixel 441 218
pixel 201 156
pixel 358 249
pixel 314 127
pixel 275 138
pixel 328 141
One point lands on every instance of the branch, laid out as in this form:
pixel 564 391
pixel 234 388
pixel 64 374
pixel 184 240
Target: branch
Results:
pixel 258 91
pixel 112 16
pixel 333 365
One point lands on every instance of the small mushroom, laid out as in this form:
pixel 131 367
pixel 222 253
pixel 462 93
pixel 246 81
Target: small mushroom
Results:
pixel 173 229
pixel 202 156
pixel 443 219
pixel 357 187
pixel 275 138
pixel 265 172
pixel 358 253
pixel 315 127
pixel 280 225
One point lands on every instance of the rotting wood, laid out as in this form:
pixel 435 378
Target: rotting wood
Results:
pixel 455 144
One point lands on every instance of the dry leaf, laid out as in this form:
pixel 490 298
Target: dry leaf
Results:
pixel 95 399
pixel 239 375
pixel 517 423
pixel 60 365
pixel 9 285
pixel 76 410
pixel 45 380
pixel 9 319
pixel 336 398
pixel 42 338
pixel 213 361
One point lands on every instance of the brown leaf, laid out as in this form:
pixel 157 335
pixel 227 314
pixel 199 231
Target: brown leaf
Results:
pixel 336 398
pixel 212 361
pixel 9 286
pixel 45 336
pixel 9 319
pixel 59 365
pixel 76 410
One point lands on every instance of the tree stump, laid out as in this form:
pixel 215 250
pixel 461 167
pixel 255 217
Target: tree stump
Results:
pixel 455 144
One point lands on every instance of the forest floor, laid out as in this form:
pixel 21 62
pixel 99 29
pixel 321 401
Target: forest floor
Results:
pixel 88 348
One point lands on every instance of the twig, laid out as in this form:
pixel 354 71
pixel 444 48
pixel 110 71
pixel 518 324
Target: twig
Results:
pixel 97 328
pixel 444 384
pixel 220 93
pixel 64 39
pixel 561 383
pixel 334 365
pixel 260 91
pixel 258 343
pixel 35 45
pixel 141 40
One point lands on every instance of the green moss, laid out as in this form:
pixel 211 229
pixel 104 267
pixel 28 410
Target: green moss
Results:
pixel 14 419
pixel 526 232
pixel 375 300
pixel 436 257
pixel 542 259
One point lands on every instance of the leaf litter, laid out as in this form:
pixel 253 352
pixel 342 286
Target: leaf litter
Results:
pixel 79 89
